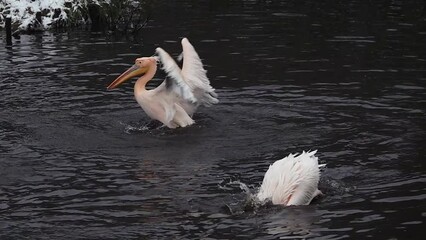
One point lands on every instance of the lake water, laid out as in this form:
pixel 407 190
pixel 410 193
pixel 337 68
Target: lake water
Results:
pixel 78 162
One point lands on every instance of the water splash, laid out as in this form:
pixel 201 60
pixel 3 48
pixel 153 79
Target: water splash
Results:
pixel 250 203
pixel 131 128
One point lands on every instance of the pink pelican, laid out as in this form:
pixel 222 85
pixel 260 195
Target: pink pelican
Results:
pixel 292 180
pixel 176 99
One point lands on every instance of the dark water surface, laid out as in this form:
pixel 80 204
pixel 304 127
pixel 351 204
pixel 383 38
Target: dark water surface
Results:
pixel 348 79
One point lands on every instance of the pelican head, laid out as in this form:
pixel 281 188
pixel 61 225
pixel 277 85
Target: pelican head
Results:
pixel 141 66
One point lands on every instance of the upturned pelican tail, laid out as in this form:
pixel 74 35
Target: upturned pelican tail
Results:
pixel 292 180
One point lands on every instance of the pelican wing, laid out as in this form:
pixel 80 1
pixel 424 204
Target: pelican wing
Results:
pixel 195 75
pixel 177 83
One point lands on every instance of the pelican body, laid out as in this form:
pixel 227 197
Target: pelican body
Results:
pixel 177 98
pixel 292 180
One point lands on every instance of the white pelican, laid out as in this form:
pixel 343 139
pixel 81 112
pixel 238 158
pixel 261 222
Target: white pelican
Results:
pixel 176 99
pixel 292 180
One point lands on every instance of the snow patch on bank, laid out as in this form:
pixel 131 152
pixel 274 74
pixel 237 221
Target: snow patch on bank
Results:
pixel 23 12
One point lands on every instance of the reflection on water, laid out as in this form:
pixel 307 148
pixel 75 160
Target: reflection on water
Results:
pixel 348 80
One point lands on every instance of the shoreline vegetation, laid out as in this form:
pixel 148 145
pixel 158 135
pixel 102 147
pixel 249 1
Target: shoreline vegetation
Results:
pixel 31 16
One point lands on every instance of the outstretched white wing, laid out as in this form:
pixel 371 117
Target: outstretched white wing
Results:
pixel 191 81
pixel 192 68
pixel 195 75
pixel 179 85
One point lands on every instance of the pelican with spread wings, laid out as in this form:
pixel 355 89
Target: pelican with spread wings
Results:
pixel 176 99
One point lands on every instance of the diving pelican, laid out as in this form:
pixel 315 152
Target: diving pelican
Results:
pixel 292 180
pixel 176 99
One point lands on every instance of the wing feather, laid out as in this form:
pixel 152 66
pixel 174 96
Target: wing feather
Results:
pixel 178 85
pixel 196 76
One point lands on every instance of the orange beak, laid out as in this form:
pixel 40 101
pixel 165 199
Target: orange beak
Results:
pixel 134 71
